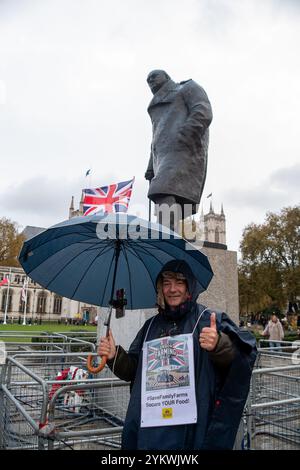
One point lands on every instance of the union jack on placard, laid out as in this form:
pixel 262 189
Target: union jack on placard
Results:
pixel 107 199
pixel 167 352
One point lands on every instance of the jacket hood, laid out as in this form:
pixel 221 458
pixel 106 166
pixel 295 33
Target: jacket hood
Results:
pixel 181 266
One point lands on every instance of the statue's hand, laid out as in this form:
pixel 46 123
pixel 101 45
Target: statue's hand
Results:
pixel 149 175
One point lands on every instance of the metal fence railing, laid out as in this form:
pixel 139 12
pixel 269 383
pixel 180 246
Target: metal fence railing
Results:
pixel 274 405
pixel 271 419
pixel 49 401
pixel 16 341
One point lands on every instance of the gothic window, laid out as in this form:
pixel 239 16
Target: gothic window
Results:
pixel 57 304
pixel 217 235
pixel 17 278
pixel 41 302
pixel 4 300
pixel 206 234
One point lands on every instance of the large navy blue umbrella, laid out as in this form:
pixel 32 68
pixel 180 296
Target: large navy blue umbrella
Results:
pixel 89 258
pixel 77 258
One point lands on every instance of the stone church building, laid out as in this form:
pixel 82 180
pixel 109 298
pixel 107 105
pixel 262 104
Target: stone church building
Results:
pixel 222 293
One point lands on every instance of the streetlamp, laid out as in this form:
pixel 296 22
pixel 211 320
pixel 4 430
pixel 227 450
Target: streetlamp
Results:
pixel 24 297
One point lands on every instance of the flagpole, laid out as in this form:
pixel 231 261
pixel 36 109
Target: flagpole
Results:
pixel 149 206
pixel 7 297
pixel 210 195
pixel 25 301
pixel 34 314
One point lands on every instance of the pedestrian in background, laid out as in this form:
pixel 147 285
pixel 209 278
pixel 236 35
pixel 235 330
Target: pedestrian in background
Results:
pixel 275 332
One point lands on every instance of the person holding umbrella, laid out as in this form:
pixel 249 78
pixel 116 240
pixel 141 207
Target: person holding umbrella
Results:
pixel 189 368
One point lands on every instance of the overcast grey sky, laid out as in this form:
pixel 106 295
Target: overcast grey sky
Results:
pixel 73 96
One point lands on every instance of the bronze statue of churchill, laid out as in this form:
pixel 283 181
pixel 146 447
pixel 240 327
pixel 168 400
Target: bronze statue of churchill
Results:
pixel 181 114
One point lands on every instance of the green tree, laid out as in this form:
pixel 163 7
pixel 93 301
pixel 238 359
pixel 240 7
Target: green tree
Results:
pixel 10 242
pixel 269 272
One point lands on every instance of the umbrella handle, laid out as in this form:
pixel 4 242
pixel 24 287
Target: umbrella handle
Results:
pixel 89 365
pixel 91 368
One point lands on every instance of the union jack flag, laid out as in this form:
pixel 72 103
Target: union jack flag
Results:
pixel 167 352
pixel 112 198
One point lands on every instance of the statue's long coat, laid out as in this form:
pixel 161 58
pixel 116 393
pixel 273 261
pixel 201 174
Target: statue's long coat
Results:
pixel 181 114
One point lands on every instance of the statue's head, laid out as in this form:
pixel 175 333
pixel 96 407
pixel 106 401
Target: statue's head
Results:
pixel 156 79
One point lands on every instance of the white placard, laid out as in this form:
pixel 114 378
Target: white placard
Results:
pixel 168 382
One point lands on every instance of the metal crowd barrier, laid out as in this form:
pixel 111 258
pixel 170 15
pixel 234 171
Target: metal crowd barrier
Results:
pixel 271 419
pixel 274 420
pixel 16 341
pixel 39 411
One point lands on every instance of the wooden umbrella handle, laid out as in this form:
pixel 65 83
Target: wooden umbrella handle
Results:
pixel 89 365
pixel 91 368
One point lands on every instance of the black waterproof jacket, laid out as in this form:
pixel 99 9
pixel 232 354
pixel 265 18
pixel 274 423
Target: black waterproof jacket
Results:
pixel 221 393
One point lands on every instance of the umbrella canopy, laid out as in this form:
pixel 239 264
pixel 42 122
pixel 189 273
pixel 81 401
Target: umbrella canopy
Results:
pixel 82 258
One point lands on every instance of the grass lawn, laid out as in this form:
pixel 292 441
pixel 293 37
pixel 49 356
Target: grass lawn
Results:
pixel 51 327
pixel 44 327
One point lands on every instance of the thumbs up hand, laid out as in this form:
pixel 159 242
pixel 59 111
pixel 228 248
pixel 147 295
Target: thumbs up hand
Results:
pixel 209 335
